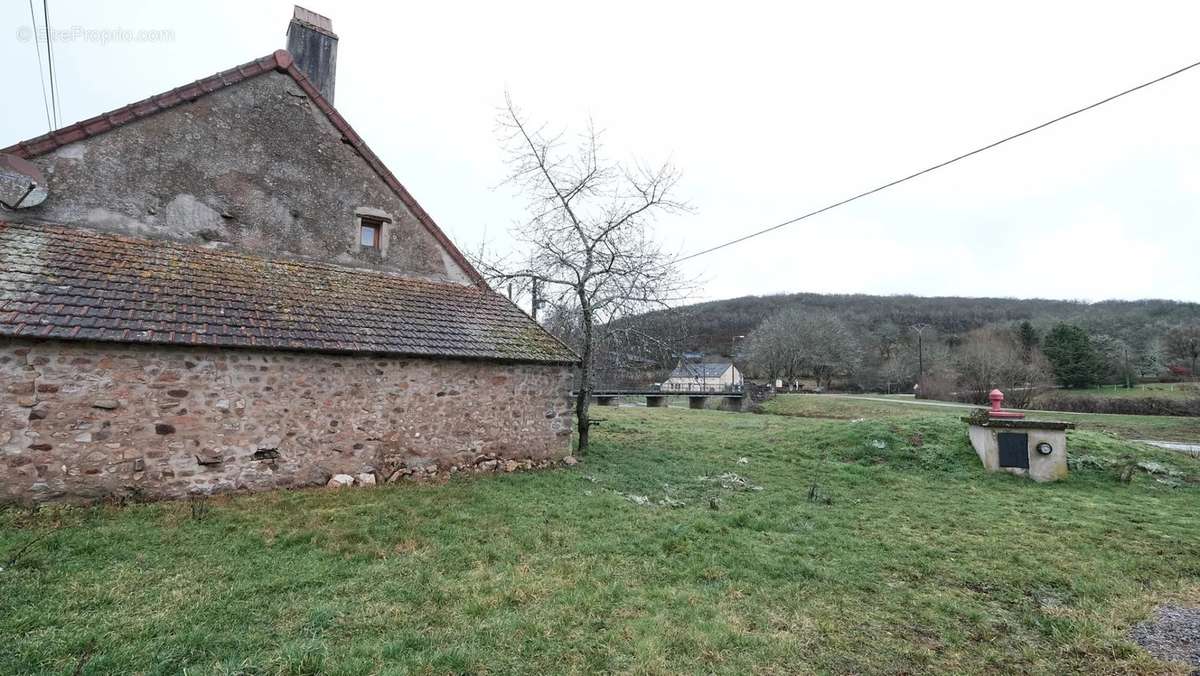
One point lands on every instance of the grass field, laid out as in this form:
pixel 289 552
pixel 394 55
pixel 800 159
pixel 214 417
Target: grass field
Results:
pixel 1163 390
pixel 1163 428
pixel 877 546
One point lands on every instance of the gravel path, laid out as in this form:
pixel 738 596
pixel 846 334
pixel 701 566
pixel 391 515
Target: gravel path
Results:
pixel 911 401
pixel 914 402
pixel 1173 635
pixel 1190 449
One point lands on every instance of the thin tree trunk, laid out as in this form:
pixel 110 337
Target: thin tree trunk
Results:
pixel 583 399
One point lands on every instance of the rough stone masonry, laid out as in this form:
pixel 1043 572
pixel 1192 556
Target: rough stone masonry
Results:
pixel 82 421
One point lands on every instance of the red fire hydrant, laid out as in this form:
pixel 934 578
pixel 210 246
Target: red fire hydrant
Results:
pixel 997 397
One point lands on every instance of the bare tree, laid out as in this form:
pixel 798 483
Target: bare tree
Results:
pixel 585 248
pixel 830 347
pixel 626 354
pixel 798 340
pixel 773 349
pixel 993 358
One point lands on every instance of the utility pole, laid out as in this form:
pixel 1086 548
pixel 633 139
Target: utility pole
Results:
pixel 733 356
pixel 920 330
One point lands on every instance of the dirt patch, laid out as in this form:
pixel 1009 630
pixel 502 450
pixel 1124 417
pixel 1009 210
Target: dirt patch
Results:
pixel 1173 635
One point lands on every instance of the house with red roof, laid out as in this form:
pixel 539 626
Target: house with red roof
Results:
pixel 222 288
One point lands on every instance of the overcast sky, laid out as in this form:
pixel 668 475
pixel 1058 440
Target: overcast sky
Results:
pixel 769 109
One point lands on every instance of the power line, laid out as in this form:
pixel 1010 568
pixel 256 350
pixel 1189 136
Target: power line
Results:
pixel 41 75
pixel 935 167
pixel 50 61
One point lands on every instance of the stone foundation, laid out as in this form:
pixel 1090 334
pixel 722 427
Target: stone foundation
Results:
pixel 86 421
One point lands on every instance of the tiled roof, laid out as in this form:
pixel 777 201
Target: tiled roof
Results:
pixel 77 284
pixel 281 61
pixel 706 370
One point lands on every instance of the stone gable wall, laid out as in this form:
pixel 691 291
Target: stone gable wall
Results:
pixel 86 421
pixel 253 167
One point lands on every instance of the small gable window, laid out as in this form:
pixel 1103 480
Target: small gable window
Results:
pixel 370 232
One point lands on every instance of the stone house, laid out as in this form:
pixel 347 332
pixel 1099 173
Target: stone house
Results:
pixel 222 288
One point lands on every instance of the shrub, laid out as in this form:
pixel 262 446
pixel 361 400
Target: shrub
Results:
pixel 939 387
pixel 1086 403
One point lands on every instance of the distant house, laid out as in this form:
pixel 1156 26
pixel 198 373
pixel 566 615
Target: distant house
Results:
pixel 693 376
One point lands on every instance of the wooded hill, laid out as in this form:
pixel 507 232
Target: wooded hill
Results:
pixel 711 326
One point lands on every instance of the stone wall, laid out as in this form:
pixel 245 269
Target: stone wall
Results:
pixel 85 421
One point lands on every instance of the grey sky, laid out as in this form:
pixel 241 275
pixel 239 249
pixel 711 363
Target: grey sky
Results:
pixel 769 109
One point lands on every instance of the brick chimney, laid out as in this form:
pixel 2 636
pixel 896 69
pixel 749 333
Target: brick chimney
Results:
pixel 313 44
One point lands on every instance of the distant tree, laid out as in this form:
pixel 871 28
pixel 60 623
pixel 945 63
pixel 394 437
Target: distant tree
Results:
pixel 1151 362
pixel 991 358
pixel 887 339
pixel 1072 356
pixel 1028 338
pixel 1118 359
pixel 896 374
pixel 1183 342
pixel 624 356
pixel 801 341
pixel 831 349
pixel 773 347
pixel 901 372
pixel 585 248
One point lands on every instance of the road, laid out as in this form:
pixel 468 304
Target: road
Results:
pixel 947 404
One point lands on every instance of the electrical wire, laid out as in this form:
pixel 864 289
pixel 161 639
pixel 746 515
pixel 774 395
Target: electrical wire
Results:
pixel 935 167
pixel 41 75
pixel 50 62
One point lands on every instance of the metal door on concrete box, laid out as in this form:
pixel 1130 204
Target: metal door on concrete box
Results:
pixel 1014 449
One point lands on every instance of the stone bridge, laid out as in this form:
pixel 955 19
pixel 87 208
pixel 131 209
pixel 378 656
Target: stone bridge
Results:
pixel 731 399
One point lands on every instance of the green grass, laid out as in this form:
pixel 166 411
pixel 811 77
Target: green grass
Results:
pixel 877 546
pixel 1162 428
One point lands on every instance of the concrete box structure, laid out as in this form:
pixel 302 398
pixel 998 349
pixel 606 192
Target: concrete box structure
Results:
pixel 1034 449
